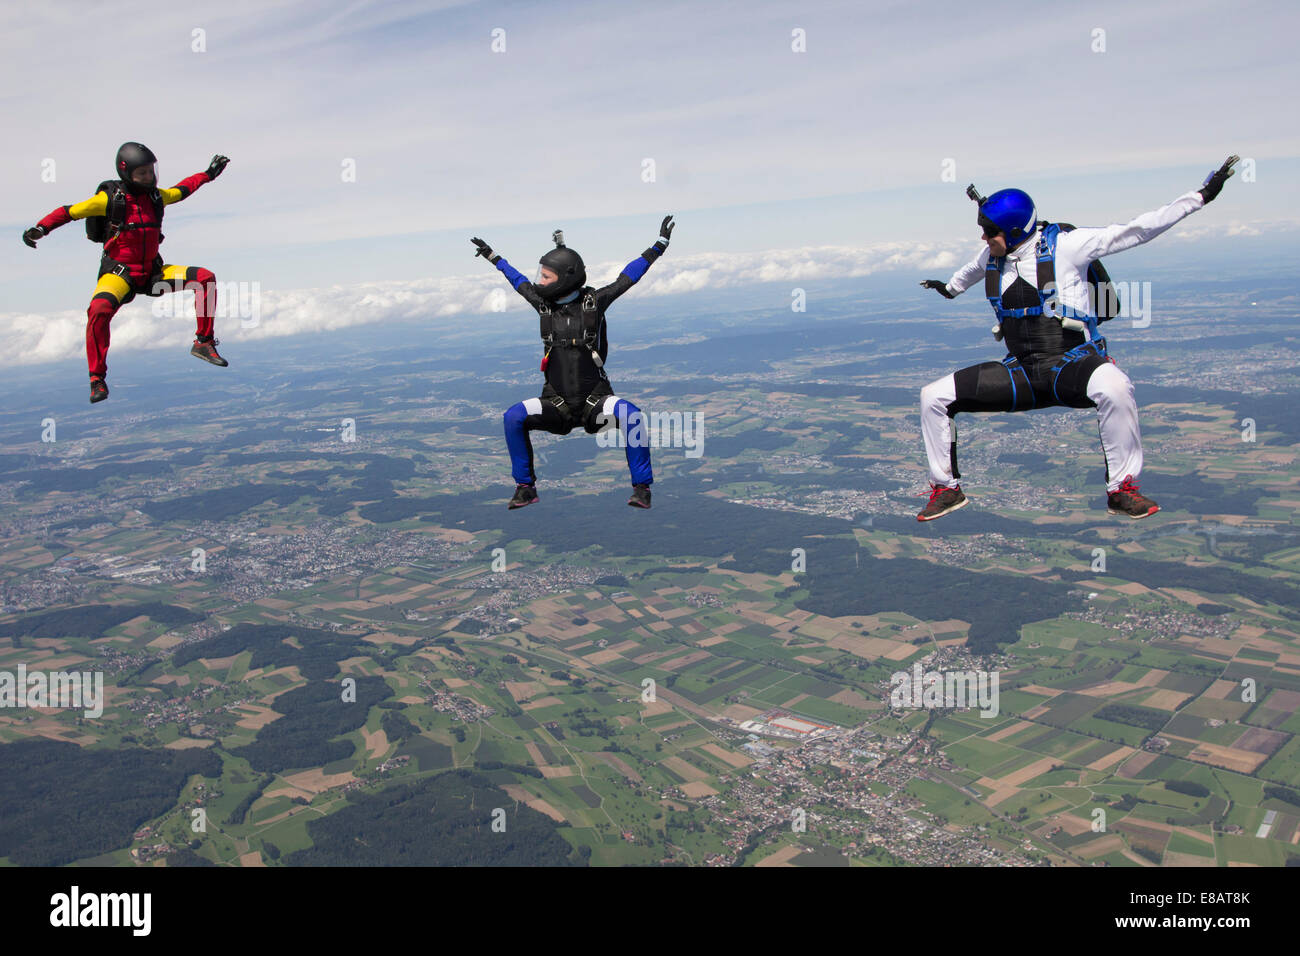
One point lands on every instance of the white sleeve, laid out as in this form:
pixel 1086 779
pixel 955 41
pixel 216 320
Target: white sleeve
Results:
pixel 1092 242
pixel 969 274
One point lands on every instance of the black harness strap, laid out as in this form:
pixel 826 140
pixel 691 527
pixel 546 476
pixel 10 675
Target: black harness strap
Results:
pixel 993 280
pixel 590 325
pixel 101 229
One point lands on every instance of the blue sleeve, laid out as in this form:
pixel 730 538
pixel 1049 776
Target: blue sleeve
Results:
pixel 630 275
pixel 635 269
pixel 513 275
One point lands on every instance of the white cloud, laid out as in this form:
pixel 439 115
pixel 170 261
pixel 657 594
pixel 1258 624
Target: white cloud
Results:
pixel 1185 232
pixel 167 321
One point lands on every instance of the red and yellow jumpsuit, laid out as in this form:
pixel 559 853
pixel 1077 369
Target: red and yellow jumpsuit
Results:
pixel 131 263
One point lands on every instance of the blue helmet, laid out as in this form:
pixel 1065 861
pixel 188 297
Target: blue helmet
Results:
pixel 1009 211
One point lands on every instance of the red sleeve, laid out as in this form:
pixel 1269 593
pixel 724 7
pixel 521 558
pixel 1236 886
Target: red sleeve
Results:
pixel 60 217
pixel 190 183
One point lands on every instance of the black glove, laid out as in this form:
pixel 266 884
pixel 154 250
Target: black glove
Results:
pixel 32 234
pixel 216 166
pixel 1214 182
pixel 666 229
pixel 484 250
pixel 939 286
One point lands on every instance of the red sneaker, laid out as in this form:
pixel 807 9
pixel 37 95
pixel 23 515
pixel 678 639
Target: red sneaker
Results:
pixel 942 500
pixel 207 350
pixel 1125 500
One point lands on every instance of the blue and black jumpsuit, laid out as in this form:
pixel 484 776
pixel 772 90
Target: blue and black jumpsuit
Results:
pixel 577 390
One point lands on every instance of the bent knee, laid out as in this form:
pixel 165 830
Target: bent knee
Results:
pixel 1109 383
pixel 935 395
pixel 102 306
pixel 515 414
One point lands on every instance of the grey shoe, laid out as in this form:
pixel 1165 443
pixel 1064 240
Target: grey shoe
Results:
pixel 524 495
pixel 640 496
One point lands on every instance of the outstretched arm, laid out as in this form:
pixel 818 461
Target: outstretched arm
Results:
pixel 1085 244
pixel 634 270
pixel 939 286
pixel 187 186
pixel 516 278
pixel 962 279
pixel 96 205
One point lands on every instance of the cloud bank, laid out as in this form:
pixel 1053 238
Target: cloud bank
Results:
pixel 249 311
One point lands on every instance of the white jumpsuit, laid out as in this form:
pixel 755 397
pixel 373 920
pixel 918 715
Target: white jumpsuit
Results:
pixel 1107 387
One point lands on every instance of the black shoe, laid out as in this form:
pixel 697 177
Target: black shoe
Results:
pixel 206 349
pixel 98 390
pixel 1125 500
pixel 524 495
pixel 640 496
pixel 942 500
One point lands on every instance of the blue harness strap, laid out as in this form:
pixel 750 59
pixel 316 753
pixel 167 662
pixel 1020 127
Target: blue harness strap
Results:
pixel 1048 302
pixel 1047 282
pixel 1049 306
pixel 1012 365
pixel 993 283
pixel 1096 347
pixel 993 292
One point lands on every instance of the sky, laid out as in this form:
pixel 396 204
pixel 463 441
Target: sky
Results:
pixel 794 142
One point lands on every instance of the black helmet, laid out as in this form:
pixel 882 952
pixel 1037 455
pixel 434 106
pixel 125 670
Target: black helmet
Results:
pixel 130 157
pixel 570 273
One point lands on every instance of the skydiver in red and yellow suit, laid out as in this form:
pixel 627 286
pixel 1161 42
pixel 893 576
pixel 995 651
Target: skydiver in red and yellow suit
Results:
pixel 132 207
